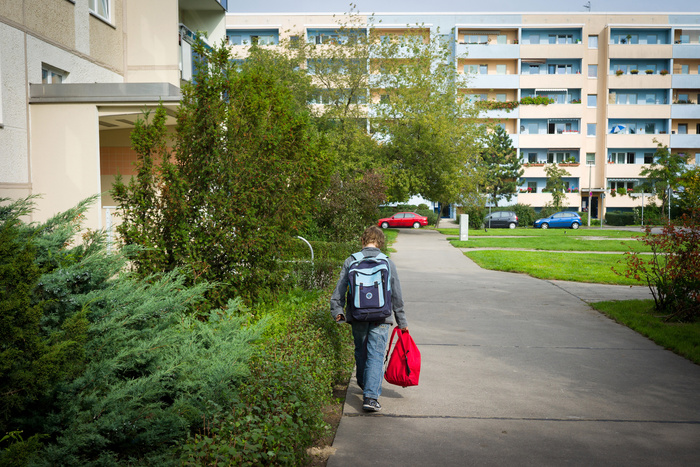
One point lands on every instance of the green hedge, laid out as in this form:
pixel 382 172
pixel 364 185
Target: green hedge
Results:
pixel 619 218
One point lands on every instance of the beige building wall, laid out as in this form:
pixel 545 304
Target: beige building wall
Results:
pixel 65 161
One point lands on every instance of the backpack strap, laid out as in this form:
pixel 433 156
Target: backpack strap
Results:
pixel 358 256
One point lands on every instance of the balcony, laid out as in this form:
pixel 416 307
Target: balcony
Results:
pixel 492 51
pixel 552 51
pixel 639 81
pixel 686 51
pixel 686 81
pixel 629 111
pixel 489 81
pixel 686 111
pixel 551 111
pixel 685 141
pixel 640 51
pixel 623 170
pixel 571 81
pixel 564 140
pixel 636 141
pixel 499 114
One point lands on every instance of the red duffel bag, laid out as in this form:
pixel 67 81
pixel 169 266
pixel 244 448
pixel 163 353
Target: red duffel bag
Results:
pixel 404 365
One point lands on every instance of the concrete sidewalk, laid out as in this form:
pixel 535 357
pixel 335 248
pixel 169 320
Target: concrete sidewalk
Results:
pixel 520 371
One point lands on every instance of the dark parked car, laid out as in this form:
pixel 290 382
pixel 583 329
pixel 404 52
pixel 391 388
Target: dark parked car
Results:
pixel 562 220
pixel 403 219
pixel 501 220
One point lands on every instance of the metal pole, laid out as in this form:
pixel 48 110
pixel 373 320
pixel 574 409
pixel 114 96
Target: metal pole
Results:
pixel 590 195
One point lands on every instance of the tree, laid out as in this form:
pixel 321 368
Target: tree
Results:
pixel 502 166
pixel 663 174
pixel 555 184
pixel 247 165
pixel 426 124
pixel 689 196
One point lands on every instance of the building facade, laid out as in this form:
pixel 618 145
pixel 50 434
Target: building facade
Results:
pixel 74 76
pixel 619 84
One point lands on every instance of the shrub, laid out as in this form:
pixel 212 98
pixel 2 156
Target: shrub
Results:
pixel 619 218
pixel 526 214
pixel 279 409
pixel 153 373
pixel 672 272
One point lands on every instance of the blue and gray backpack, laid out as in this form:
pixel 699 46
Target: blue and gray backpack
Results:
pixel 369 291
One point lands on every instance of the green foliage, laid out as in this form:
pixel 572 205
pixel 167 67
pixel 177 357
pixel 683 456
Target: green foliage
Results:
pixel 43 329
pixel 349 206
pixel 502 167
pixel 689 196
pixel 619 218
pixel 672 272
pixel 476 213
pixel 246 170
pixel 19 450
pixel 536 100
pixel 663 174
pixel 526 213
pixel 280 408
pixel 555 184
pixel 152 373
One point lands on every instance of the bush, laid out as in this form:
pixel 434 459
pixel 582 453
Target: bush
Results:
pixel 619 218
pixel 673 271
pixel 153 373
pixel 526 213
pixel 279 410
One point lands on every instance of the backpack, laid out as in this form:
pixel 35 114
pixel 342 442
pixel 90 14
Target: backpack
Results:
pixel 369 288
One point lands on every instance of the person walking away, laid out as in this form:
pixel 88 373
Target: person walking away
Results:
pixel 359 298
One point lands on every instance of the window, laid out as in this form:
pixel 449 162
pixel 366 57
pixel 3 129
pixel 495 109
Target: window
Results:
pixel 648 157
pixel 484 69
pixel 100 8
pixel 650 128
pixel 685 69
pixel 592 71
pixel 501 39
pixel 500 97
pixel 534 69
pixel 234 39
pixel 532 128
pixel 384 98
pixel 630 158
pixel 697 158
pixel 652 39
pixel 697 129
pixel 51 75
pixel 532 187
pixel 474 69
pixel 650 99
pixel 590 158
pixel 532 157
pixel 534 38
pixel 592 42
pixel 592 100
pixel 590 129
pixel 500 69
pixel 682 128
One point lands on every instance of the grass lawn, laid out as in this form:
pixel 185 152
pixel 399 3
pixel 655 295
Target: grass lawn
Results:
pixel 529 232
pixel 561 243
pixel 681 338
pixel 578 267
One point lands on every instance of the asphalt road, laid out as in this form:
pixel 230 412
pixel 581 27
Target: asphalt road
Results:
pixel 521 371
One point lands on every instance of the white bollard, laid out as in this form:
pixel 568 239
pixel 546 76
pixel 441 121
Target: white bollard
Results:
pixel 464 227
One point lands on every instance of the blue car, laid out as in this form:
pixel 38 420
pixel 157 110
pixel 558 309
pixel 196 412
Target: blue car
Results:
pixel 561 220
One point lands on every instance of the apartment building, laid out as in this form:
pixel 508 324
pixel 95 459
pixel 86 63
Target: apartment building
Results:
pixel 74 77
pixel 618 83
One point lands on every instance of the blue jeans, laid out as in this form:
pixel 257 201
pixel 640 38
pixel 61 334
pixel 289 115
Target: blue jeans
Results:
pixel 370 345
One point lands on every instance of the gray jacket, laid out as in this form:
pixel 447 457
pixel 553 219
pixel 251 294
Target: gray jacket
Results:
pixel 341 290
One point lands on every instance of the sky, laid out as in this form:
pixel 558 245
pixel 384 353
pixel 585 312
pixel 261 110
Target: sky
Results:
pixel 460 6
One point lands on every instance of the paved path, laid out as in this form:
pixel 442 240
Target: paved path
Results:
pixel 521 371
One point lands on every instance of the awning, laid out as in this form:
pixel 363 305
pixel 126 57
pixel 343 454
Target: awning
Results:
pixel 562 119
pixel 561 149
pixel 534 60
pixel 551 90
pixel 623 179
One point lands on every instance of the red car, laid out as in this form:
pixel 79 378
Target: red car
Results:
pixel 404 219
